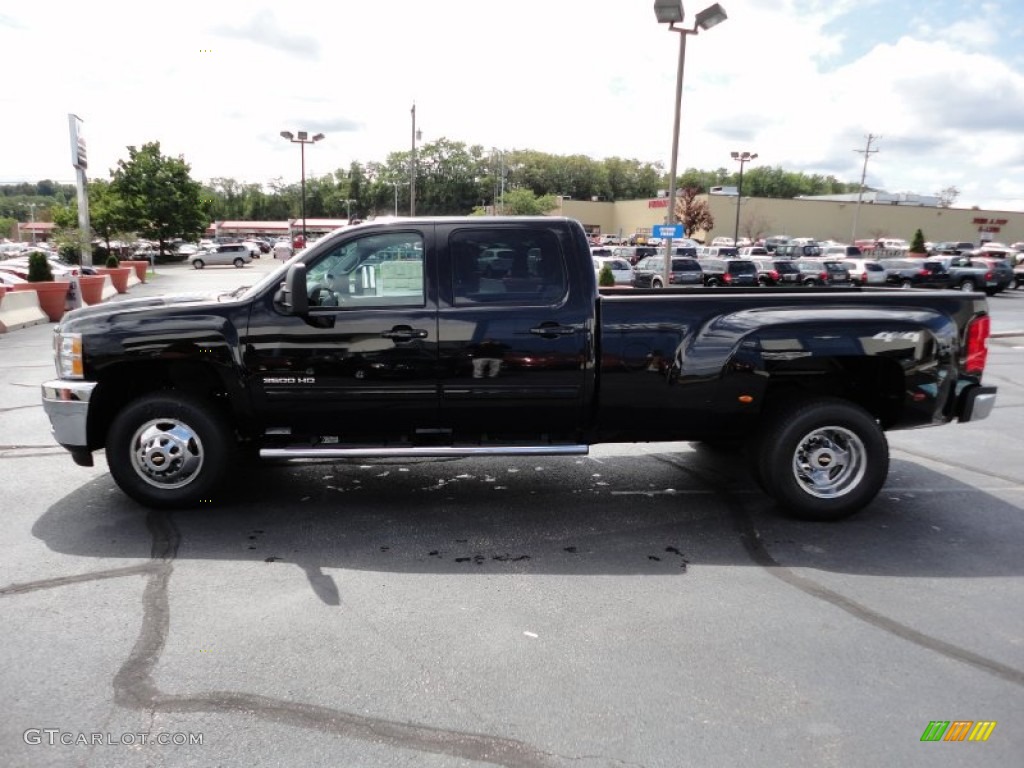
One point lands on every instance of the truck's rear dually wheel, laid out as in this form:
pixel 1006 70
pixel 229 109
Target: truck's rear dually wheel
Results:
pixel 823 459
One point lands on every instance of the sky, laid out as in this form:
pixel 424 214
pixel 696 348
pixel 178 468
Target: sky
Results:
pixel 800 82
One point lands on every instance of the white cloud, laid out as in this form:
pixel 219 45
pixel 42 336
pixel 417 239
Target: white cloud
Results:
pixel 217 82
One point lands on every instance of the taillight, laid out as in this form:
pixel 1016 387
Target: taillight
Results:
pixel 726 278
pixel 977 344
pixel 823 277
pixel 989 275
pixel 774 275
pixel 924 273
pixel 863 277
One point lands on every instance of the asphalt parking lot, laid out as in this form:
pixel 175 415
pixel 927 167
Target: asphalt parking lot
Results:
pixel 642 606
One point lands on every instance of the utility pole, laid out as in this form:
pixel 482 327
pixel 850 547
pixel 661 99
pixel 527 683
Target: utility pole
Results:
pixel 867 152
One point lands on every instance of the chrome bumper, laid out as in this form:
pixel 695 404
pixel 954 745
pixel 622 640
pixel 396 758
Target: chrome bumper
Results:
pixel 67 405
pixel 977 403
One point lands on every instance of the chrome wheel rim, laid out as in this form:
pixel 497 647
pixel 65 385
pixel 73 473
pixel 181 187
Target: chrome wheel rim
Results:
pixel 829 462
pixel 166 453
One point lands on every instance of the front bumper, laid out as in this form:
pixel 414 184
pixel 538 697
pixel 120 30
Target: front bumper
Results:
pixel 976 403
pixel 67 405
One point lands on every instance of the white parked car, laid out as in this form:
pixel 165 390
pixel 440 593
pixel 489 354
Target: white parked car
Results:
pixel 283 250
pixel 621 270
pixel 865 271
pixel 236 254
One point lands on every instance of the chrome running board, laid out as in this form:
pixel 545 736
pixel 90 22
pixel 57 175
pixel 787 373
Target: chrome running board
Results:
pixel 414 452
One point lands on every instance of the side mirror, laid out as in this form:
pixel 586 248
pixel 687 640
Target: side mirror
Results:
pixel 293 296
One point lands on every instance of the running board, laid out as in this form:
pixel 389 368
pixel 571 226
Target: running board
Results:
pixel 423 452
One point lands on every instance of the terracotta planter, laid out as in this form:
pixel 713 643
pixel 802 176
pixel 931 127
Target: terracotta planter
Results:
pixel 3 290
pixel 92 288
pixel 52 296
pixel 139 265
pixel 118 276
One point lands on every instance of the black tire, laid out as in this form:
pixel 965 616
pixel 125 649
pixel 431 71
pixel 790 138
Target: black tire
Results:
pixel 967 286
pixel 712 283
pixel 822 459
pixel 906 284
pixel 169 449
pixel 810 282
pixel 656 283
pixel 198 263
pixel 239 262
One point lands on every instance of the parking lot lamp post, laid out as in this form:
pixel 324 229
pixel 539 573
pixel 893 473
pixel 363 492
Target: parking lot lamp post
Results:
pixel 302 139
pixel 671 12
pixel 348 209
pixel 742 157
pixel 412 164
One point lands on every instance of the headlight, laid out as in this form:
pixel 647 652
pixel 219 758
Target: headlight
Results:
pixel 67 348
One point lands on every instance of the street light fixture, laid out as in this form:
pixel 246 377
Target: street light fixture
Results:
pixel 302 139
pixel 742 158
pixel 671 12
pixel 348 209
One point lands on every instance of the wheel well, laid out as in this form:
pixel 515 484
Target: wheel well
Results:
pixel 874 383
pixel 123 383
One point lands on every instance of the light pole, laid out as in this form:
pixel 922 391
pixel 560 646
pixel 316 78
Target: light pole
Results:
pixel 396 185
pixel 742 158
pixel 348 209
pixel 412 165
pixel 671 12
pixel 302 139
pixel 32 217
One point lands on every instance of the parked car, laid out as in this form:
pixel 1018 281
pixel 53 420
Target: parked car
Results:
pixel 633 253
pixel 751 251
pixel 841 252
pixel 798 251
pixel 865 271
pixel 818 272
pixel 650 272
pixel 10 279
pixel 226 254
pixel 967 274
pixel 906 273
pixel 728 272
pixel 952 248
pixel 1002 272
pixel 717 252
pixel 777 272
pixel 621 270
pixel 772 243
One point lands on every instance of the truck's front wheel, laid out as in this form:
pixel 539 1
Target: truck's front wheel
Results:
pixel 822 459
pixel 169 450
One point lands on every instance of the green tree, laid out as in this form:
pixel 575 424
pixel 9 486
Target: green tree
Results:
pixel 917 244
pixel 160 199
pixel 605 276
pixel 523 202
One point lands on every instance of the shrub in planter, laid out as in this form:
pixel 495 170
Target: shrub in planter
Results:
pixel 52 293
pixel 112 262
pixel 39 270
pixel 605 276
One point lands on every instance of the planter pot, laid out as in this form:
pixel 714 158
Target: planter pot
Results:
pixel 52 296
pixel 118 276
pixel 139 265
pixel 92 288
pixel 3 290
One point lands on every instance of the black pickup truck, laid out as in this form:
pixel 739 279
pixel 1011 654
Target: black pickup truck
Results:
pixel 488 336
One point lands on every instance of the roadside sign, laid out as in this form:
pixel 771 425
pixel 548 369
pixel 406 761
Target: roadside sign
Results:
pixel 667 230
